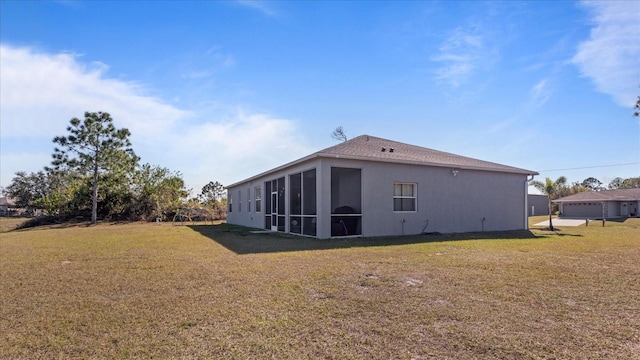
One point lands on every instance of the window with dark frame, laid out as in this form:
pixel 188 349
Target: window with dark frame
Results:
pixel 404 197
pixel 346 201
pixel 275 217
pixel 302 203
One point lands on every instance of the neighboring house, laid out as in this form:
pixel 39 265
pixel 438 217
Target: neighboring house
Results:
pixel 6 204
pixel 369 186
pixel 601 204
pixel 537 204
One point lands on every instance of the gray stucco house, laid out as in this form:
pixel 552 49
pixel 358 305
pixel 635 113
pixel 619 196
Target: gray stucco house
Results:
pixel 6 204
pixel 369 186
pixel 601 204
pixel 538 204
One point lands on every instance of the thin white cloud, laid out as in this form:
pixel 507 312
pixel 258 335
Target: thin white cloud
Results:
pixel 611 55
pixel 540 93
pixel 500 126
pixel 41 92
pixel 463 52
pixel 258 5
pixel 220 57
pixel 215 60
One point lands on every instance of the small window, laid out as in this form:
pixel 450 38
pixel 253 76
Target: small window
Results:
pixel 230 202
pixel 248 200
pixel 239 201
pixel 404 197
pixel 258 195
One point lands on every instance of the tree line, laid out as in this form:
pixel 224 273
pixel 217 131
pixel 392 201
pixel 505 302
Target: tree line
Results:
pixel 95 174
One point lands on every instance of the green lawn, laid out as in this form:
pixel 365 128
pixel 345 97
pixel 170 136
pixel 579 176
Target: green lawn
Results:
pixel 116 291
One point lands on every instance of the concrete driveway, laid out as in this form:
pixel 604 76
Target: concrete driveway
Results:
pixel 562 222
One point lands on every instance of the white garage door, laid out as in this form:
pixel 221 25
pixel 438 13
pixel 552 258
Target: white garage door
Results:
pixel 582 210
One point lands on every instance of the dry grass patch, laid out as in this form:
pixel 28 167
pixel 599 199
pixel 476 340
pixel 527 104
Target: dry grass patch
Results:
pixel 10 223
pixel 148 291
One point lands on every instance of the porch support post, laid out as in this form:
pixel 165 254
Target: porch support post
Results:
pixel 527 180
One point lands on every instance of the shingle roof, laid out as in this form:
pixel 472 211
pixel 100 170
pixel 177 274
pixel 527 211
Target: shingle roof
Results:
pixel 603 195
pixel 5 201
pixel 372 148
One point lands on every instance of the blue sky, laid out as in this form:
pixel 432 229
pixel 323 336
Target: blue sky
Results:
pixel 222 90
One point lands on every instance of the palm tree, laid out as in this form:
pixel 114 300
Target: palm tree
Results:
pixel 551 189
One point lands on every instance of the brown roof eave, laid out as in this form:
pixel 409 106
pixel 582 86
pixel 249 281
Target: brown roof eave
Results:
pixel 602 196
pixel 395 161
pixel 582 199
pixel 594 200
pixel 276 169
pixel 426 163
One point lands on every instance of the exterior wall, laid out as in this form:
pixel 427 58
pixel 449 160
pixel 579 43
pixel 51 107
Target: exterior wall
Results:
pixel 628 208
pixel 537 204
pixel 445 203
pixel 635 209
pixel 588 210
pixel 593 210
pixel 469 201
pixel 241 215
pixel 615 208
pixel 612 209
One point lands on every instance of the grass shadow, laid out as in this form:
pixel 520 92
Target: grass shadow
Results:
pixel 52 222
pixel 547 232
pixel 619 220
pixel 241 240
pixel 62 225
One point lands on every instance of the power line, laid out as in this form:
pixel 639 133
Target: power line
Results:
pixel 591 167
